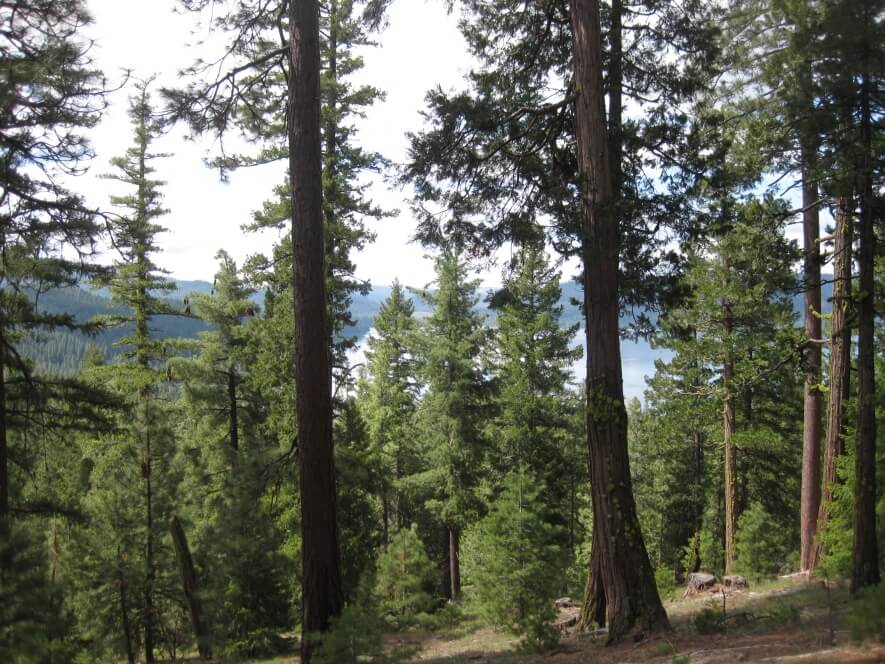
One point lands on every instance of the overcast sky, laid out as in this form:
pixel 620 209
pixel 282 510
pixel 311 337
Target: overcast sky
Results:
pixel 421 48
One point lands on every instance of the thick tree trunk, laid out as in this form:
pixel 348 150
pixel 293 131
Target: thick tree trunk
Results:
pixel 811 419
pixel 322 597
pixel 455 563
pixel 593 609
pixel 189 586
pixel 840 365
pixel 865 568
pixel 631 596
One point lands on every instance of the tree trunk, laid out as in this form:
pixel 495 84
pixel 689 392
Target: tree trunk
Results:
pixel 627 580
pixel 865 569
pixel 322 597
pixel 124 614
pixel 232 405
pixel 455 563
pixel 728 419
pixel 840 365
pixel 811 418
pixel 149 548
pixel 189 586
pixel 4 451
pixel 593 609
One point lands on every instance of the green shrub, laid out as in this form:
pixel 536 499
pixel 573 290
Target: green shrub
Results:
pixel 703 553
pixel 838 533
pixel 710 620
pixel 665 581
pixel 760 544
pixel 514 563
pixel 866 618
pixel 404 575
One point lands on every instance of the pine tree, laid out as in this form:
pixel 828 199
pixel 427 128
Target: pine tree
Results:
pixel 51 93
pixel 739 297
pixel 451 410
pixel 137 283
pixel 404 575
pixel 516 562
pixel 389 400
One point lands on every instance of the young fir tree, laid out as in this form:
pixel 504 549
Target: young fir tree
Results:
pixel 236 541
pixel 741 319
pixel 532 371
pixel 516 563
pixel 388 400
pixel 451 411
pixel 404 576
pixel 137 283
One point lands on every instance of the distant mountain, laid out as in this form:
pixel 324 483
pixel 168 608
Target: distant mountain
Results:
pixel 63 350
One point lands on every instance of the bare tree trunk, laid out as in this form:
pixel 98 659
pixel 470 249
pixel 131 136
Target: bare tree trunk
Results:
pixel 124 613
pixel 4 450
pixel 234 425
pixel 728 419
pixel 455 563
pixel 322 597
pixel 631 597
pixel 147 467
pixel 593 609
pixel 189 586
pixel 865 568
pixel 811 418
pixel 840 365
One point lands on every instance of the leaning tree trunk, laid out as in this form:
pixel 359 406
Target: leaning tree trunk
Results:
pixel 840 366
pixel 189 586
pixel 865 568
pixel 811 418
pixel 321 597
pixel 631 597
pixel 454 563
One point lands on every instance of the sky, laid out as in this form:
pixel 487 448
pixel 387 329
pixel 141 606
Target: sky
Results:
pixel 421 48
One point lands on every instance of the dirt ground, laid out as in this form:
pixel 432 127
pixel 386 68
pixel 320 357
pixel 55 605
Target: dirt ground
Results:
pixel 790 622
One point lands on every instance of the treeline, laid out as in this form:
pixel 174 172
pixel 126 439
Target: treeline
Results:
pixel 149 501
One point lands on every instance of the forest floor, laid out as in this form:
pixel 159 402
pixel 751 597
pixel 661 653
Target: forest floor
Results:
pixel 790 621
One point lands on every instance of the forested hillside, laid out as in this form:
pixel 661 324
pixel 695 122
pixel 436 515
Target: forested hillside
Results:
pixel 658 437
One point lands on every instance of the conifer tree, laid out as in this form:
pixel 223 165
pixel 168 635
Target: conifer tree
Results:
pixel 138 283
pixel 389 398
pixel 517 561
pixel 451 411
pixel 51 92
pixel 740 283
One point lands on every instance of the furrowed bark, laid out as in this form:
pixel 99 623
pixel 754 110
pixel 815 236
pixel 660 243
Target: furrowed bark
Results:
pixel 322 597
pixel 811 418
pixel 631 596
pixel 865 567
pixel 840 365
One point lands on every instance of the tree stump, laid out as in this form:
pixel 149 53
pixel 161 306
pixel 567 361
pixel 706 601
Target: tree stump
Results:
pixel 698 582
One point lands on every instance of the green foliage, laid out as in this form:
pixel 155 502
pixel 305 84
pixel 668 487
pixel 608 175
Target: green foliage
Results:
pixel 760 543
pixel 665 582
pixel 866 617
pixel 404 575
pixel 710 620
pixel 29 604
pixel 703 553
pixel 514 563
pixel 838 534
pixel 357 636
